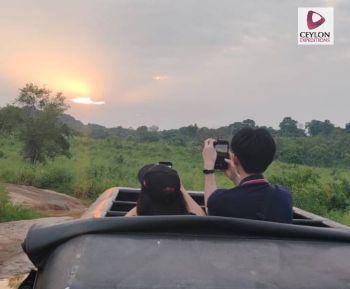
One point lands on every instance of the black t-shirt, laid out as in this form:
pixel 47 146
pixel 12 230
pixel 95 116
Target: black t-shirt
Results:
pixel 253 198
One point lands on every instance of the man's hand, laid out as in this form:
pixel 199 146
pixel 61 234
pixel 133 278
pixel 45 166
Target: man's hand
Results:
pixel 232 172
pixel 209 154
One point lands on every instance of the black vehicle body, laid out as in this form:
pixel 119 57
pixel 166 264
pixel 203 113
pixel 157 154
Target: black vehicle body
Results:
pixel 104 251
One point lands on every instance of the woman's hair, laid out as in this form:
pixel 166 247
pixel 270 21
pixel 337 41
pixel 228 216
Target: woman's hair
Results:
pixel 160 192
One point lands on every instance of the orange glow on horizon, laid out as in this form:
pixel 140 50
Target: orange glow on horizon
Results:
pixel 56 70
pixel 80 78
pixel 86 100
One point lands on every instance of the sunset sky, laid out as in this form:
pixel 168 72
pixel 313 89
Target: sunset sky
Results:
pixel 173 63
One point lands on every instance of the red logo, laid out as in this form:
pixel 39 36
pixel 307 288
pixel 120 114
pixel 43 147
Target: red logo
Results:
pixel 310 23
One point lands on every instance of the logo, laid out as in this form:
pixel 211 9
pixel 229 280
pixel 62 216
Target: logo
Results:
pixel 315 26
pixel 310 23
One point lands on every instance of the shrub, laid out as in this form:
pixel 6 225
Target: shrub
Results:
pixel 57 178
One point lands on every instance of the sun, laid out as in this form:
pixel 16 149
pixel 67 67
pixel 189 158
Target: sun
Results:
pixel 78 91
pixel 73 86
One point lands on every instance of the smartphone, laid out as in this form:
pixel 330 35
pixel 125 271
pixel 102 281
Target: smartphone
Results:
pixel 222 148
pixel 168 164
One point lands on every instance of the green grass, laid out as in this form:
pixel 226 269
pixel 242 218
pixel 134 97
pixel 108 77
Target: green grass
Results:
pixel 340 217
pixel 325 192
pixel 97 165
pixel 9 212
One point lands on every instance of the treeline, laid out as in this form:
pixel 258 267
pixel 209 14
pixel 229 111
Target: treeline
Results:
pixel 320 143
pixel 37 118
pixel 288 127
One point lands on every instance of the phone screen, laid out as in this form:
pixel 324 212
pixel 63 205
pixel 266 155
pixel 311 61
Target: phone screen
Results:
pixel 221 148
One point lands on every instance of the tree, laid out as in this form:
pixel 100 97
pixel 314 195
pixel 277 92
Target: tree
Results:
pixel 144 134
pixel 347 127
pixel 317 127
pixel 249 122
pixel 203 133
pixel 10 119
pixel 236 126
pixel 97 131
pixel 34 98
pixel 142 129
pixel 189 131
pixel 43 134
pixel 153 128
pixel 289 128
pixel 290 151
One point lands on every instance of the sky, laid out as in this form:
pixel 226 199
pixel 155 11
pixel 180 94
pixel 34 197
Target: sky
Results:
pixel 175 63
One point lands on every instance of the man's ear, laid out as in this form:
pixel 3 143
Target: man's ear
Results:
pixel 235 160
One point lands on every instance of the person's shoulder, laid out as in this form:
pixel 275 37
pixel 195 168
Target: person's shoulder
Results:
pixel 217 200
pixel 283 195
pixel 282 190
pixel 282 205
pixel 219 194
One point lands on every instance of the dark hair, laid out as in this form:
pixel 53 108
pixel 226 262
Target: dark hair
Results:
pixel 160 193
pixel 254 148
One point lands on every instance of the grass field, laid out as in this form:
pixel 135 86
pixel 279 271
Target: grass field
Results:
pixel 97 165
pixel 100 164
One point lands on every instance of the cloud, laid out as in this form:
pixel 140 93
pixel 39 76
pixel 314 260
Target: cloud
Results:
pixel 86 100
pixel 156 58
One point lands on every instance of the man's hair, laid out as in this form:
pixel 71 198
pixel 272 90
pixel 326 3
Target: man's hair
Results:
pixel 254 148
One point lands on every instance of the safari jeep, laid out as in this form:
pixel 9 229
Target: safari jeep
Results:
pixel 103 250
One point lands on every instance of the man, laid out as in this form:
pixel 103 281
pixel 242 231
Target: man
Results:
pixel 252 151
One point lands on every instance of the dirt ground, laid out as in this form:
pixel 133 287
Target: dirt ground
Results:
pixel 59 207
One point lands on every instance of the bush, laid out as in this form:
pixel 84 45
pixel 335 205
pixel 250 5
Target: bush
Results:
pixel 338 194
pixel 308 192
pixel 82 188
pixel 57 178
pixel 295 178
pixel 25 176
pixel 311 198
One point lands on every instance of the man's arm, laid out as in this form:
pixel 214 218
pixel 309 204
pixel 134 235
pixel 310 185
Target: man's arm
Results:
pixel 209 157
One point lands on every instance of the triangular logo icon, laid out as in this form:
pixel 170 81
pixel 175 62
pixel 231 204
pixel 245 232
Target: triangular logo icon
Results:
pixel 310 23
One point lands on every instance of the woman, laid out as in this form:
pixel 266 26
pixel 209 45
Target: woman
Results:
pixel 163 194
